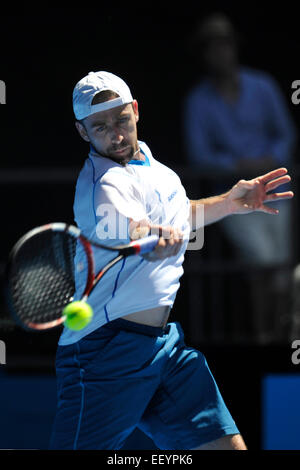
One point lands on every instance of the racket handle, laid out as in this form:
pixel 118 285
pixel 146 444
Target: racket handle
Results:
pixel 145 245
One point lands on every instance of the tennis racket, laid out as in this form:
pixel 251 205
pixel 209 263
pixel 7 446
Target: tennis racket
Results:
pixel 40 275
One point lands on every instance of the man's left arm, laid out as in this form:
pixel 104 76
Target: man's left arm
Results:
pixel 244 197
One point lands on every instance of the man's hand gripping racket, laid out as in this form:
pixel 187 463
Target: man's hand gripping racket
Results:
pixel 40 281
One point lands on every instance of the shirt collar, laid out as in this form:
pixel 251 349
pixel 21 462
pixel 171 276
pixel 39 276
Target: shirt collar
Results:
pixel 145 162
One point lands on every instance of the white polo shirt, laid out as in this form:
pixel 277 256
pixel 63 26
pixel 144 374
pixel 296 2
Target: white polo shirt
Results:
pixel 107 195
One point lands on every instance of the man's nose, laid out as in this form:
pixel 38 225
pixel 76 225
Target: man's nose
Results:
pixel 115 135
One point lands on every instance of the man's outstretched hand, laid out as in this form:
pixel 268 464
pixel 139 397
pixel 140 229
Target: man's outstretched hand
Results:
pixel 251 195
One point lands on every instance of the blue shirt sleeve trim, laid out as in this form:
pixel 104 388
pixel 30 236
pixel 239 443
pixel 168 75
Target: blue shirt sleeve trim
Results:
pixel 94 188
pixel 114 289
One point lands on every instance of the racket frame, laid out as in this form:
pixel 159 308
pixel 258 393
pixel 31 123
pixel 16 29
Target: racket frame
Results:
pixel 132 248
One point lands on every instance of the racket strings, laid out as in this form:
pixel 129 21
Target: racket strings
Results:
pixel 42 278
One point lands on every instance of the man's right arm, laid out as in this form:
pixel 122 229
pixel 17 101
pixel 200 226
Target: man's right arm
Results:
pixel 169 243
pixel 122 201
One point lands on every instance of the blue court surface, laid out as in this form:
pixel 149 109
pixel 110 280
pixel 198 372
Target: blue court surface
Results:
pixel 281 412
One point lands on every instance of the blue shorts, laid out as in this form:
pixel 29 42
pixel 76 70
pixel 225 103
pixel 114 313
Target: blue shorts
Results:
pixel 126 375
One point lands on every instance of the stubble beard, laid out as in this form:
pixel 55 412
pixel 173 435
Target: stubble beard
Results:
pixel 122 159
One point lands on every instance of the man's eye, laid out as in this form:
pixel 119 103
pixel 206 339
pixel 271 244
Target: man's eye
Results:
pixel 122 120
pixel 100 128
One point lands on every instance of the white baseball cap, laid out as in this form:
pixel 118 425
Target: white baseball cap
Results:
pixel 85 90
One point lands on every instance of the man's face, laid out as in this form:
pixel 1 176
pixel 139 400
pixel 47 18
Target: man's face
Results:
pixel 113 133
pixel 220 55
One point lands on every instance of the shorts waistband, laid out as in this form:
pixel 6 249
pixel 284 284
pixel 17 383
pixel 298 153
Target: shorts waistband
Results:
pixel 122 324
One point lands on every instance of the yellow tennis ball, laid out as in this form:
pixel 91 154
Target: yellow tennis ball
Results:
pixel 78 315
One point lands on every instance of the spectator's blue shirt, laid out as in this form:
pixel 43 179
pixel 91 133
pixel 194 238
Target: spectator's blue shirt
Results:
pixel 219 133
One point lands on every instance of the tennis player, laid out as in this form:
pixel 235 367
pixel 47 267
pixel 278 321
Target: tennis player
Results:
pixel 130 366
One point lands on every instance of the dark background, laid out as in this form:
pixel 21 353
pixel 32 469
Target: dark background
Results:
pixel 43 54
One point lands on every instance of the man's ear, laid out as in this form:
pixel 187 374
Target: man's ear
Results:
pixel 82 131
pixel 135 110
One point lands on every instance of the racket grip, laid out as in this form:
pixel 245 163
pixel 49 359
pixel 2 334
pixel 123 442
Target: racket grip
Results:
pixel 145 245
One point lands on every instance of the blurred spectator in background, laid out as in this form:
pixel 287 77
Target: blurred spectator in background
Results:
pixel 236 123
